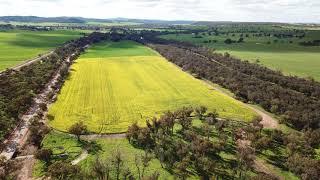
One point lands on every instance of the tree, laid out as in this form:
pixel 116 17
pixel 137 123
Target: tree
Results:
pixel 43 106
pixel 8 168
pixel 44 155
pixel 127 174
pixel 262 143
pixel 181 167
pixel 167 121
pixel 204 166
pixel 78 129
pixel 101 169
pixel 133 133
pixel 117 163
pixel 207 129
pixel 306 168
pixel 184 119
pixel 37 131
pixel 220 125
pixel 144 139
pixel 211 118
pixel 228 41
pixel 200 111
pixel 245 157
pixel 142 162
pixel 63 170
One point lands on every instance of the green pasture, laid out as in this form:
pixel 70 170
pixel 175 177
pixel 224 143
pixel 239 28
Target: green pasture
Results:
pixel 116 84
pixel 285 54
pixel 18 46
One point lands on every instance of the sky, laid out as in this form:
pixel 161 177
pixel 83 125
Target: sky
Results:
pixel 294 11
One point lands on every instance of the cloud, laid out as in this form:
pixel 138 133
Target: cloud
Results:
pixel 209 10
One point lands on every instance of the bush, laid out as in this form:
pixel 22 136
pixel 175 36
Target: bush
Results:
pixel 63 170
pixel 44 155
pixel 78 129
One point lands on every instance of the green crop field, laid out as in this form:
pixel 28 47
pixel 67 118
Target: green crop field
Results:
pixel 17 46
pixel 116 84
pixel 288 57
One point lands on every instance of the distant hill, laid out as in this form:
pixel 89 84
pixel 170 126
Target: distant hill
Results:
pixel 213 23
pixel 36 19
pixel 152 21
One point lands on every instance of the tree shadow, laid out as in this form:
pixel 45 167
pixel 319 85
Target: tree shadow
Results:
pixel 91 146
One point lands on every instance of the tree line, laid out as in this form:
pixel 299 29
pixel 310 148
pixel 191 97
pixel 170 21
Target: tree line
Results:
pixel 295 99
pixel 19 87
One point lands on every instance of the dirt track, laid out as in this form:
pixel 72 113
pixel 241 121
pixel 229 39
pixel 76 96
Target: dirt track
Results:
pixel 267 120
pixel 30 61
pixel 19 135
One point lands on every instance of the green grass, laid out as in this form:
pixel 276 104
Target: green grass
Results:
pixel 128 152
pixel 58 141
pixel 104 148
pixel 290 58
pixel 39 169
pixel 117 84
pixel 318 153
pixel 17 46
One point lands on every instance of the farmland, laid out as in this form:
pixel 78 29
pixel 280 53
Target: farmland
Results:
pixel 29 44
pixel 121 103
pixel 118 83
pixel 284 54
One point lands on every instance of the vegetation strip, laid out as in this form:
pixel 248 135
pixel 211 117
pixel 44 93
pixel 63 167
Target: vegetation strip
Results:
pixel 271 96
pixel 34 78
pixel 276 47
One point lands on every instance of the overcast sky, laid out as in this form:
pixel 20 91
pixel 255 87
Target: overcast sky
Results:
pixel 206 10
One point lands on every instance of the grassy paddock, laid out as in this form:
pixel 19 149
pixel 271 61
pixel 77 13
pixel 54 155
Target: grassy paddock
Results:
pixel 104 148
pixel 116 84
pixel 59 144
pixel 128 152
pixel 17 46
pixel 290 58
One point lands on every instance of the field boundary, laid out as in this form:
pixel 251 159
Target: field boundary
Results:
pixel 28 62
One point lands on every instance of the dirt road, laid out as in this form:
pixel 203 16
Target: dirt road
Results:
pixel 30 61
pixel 19 136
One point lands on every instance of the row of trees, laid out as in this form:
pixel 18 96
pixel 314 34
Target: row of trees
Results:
pixel 19 87
pixel 308 87
pixel 310 43
pixel 230 41
pixel 291 97
pixel 295 99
